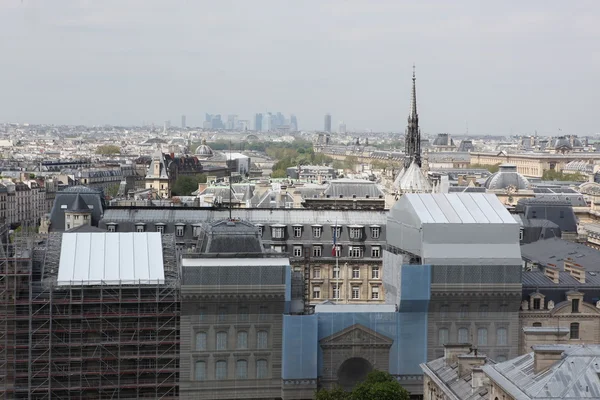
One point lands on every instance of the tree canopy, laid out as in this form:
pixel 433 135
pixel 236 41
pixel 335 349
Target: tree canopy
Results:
pixel 490 167
pixel 379 385
pixel 186 184
pixel 553 175
pixel 108 150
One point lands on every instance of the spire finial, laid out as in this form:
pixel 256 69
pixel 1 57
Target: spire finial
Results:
pixel 414 77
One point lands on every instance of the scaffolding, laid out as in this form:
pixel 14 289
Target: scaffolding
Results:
pixel 93 341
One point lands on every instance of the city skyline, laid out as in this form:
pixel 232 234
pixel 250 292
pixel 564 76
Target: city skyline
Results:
pixel 499 68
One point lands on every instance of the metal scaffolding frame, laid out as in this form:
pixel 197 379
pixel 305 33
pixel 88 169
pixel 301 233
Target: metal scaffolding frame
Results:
pixel 92 341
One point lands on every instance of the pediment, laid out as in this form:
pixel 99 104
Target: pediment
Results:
pixel 356 335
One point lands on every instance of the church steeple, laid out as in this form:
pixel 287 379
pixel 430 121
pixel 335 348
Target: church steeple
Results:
pixel 412 141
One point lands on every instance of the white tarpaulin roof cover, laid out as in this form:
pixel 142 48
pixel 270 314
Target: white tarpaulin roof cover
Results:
pixel 111 258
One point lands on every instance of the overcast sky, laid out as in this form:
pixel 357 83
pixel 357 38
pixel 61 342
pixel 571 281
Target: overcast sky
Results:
pixel 494 66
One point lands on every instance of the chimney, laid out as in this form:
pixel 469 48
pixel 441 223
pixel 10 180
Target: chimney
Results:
pixel 551 271
pixel 478 378
pixel 577 271
pixel 461 180
pixel 546 355
pixel 452 351
pixel 466 363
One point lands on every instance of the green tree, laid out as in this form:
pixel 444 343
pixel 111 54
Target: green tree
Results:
pixel 553 175
pixel 492 168
pixel 186 184
pixel 279 173
pixel 379 385
pixel 351 162
pixel 108 150
pixel 112 190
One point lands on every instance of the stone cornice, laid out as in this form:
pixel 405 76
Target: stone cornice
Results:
pixel 233 296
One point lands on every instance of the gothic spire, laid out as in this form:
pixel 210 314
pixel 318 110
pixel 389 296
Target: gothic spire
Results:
pixel 412 146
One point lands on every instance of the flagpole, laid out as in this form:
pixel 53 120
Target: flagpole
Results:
pixel 337 261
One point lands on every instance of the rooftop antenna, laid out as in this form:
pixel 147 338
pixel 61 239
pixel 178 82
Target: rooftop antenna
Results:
pixel 230 188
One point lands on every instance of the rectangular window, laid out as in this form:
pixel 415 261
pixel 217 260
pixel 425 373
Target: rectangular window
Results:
pixel 316 294
pixel 242 340
pixel 260 230
pixel 201 341
pixel 200 370
pixel 297 251
pixel 179 230
pixel 317 251
pixel 355 292
pixel 337 231
pixel 537 304
pixel 317 231
pixel 335 291
pixel 297 231
pixel 112 228
pixel 521 234
pixel 278 233
pixel 355 251
pixel 575 305
pixel 355 233
pixel 221 370
pixel 160 228
pixel 139 228
pixel 355 272
pixel 336 272
pixel 317 273
pixel 574 330
pixel 463 335
pixel 261 369
pixel 375 251
pixel 262 339
pixel 501 337
pixel 375 232
pixel 482 337
pixel 375 273
pixel 241 369
pixel 375 292
pixel 443 336
pixel 221 340
pixel 337 252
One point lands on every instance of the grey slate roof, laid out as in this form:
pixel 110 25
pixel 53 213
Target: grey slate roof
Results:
pixel 353 187
pixel 505 177
pixel 79 205
pixel 555 251
pixel 233 237
pixel 575 376
pixel 66 198
pixel 537 279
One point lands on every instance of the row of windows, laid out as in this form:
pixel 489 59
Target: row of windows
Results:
pixel 336 289
pixel 241 370
pixel 335 273
pixel 482 336
pixel 262 340
pixel 464 310
pixel 317 251
pixel 278 232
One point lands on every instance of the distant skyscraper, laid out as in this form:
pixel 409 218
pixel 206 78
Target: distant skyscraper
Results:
pixel 167 126
pixel 258 122
pixel 267 122
pixel 327 122
pixel 231 122
pixel 183 121
pixel 293 123
pixel 342 127
pixel 279 120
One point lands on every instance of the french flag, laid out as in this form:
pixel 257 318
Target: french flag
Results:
pixel 333 249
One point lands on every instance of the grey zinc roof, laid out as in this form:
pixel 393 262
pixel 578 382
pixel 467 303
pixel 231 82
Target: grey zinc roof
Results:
pixel 79 205
pixel 537 279
pixel 555 251
pixel 463 208
pixel 353 187
pixel 65 198
pixel 575 376
pixel 461 387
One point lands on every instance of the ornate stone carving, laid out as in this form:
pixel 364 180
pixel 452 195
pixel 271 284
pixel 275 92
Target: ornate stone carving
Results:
pixel 524 305
pixel 550 305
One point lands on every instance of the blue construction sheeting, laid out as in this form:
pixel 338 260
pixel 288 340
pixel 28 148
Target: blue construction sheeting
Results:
pixel 299 347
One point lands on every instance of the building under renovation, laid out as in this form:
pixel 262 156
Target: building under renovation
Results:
pixel 90 315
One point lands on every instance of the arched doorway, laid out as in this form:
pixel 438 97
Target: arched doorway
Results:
pixel 353 371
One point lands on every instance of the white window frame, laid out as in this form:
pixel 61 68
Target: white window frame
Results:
pixel 355 293
pixel 297 251
pixel 355 233
pixel 338 250
pixel 317 273
pixel 356 251
pixel 278 233
pixel 337 229
pixel 376 251
pixel 111 228
pixel 317 251
pixel 317 231
pixel 297 231
pixel 375 273
pixel 355 272
pixel 375 293
pixel 335 272
pixel 179 230
pixel 335 291
pixel 316 293
pixel 140 228
pixel 260 230
pixel 375 232
pixel 160 228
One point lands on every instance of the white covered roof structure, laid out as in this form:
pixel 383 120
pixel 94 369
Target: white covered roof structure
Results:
pixel 455 229
pixel 111 258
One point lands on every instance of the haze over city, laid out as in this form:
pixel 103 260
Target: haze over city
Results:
pixel 496 67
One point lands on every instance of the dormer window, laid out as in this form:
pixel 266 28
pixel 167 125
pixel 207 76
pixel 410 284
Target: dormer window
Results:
pixel 297 231
pixel 355 233
pixel 336 231
pixel 278 232
pixel 317 231
pixel 537 303
pixel 575 305
pixel 260 230
pixel 375 231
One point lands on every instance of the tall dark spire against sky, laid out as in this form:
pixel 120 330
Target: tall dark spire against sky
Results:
pixel 412 140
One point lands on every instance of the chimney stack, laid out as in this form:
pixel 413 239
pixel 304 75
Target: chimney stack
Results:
pixel 546 355
pixel 466 363
pixel 551 271
pixel 452 351
pixel 577 271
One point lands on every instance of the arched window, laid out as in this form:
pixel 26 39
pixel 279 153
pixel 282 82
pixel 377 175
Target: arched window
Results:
pixel 482 336
pixel 501 337
pixel 574 330
pixel 262 339
pixel 201 341
pixel 443 336
pixel 242 340
pixel 241 369
pixel 221 340
pixel 261 369
pixel 221 370
pixel 200 370
pixel 463 335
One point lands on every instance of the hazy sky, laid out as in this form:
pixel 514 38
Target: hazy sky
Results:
pixel 498 66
